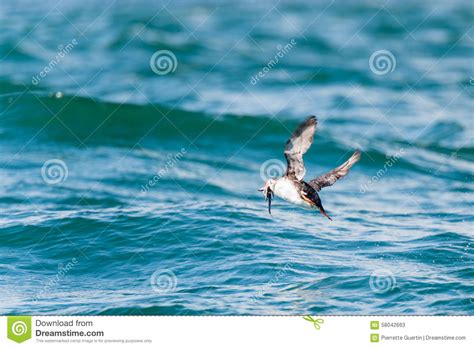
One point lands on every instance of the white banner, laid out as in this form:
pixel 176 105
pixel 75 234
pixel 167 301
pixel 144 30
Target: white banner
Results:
pixel 214 331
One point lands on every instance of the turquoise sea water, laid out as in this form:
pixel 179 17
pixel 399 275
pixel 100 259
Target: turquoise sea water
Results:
pixel 125 191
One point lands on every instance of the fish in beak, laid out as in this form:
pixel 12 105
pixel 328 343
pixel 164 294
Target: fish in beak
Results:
pixel 268 194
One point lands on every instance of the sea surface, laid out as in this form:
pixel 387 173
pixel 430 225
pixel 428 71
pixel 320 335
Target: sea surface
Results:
pixel 134 136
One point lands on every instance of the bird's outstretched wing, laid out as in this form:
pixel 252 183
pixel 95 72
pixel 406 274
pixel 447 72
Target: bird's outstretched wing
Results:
pixel 297 145
pixel 331 177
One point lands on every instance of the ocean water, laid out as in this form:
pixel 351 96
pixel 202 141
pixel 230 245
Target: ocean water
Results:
pixel 134 137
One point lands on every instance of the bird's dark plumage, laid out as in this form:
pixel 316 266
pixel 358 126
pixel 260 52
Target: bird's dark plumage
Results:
pixel 309 194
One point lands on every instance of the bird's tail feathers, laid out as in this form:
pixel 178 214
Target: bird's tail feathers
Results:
pixel 321 209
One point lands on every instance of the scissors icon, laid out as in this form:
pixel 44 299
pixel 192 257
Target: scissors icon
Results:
pixel 316 322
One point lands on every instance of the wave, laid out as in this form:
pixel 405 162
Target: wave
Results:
pixel 81 121
pixel 52 119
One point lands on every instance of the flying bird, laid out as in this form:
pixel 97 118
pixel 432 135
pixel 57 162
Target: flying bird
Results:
pixel 291 186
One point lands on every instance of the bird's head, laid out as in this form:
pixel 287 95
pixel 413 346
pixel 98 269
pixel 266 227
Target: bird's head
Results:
pixel 268 188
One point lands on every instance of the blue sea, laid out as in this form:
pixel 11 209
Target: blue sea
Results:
pixel 134 136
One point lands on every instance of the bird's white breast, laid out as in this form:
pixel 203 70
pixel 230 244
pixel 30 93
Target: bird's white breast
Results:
pixel 285 189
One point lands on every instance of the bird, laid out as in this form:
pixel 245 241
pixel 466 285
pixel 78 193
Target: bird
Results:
pixel 291 186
